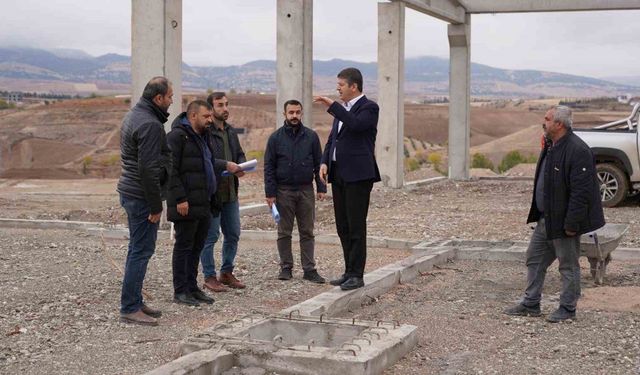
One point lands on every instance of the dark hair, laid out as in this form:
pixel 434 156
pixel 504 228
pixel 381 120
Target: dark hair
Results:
pixel 195 105
pixel 215 96
pixel 291 102
pixel 352 75
pixel 156 86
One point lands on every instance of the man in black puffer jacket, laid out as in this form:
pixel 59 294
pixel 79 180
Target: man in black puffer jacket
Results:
pixel 146 164
pixel 291 162
pixel 190 197
pixel 565 204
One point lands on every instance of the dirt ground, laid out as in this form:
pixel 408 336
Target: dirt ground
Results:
pixel 60 289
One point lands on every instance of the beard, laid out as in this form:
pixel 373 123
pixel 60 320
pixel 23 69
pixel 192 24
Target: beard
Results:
pixel 294 122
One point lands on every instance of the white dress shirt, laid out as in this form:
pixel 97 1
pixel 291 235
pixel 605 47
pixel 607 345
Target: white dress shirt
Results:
pixel 348 105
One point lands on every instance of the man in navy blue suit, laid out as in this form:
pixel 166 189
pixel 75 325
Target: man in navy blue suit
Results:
pixel 349 164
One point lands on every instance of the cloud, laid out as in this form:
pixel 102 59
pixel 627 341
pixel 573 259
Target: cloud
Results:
pixel 220 32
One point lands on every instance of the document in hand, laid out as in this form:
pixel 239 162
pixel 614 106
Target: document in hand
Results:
pixel 275 214
pixel 247 166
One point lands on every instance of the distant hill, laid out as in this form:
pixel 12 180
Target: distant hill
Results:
pixel 424 75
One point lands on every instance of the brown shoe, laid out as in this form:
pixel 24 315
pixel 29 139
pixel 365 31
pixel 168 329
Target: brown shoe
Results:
pixel 214 285
pixel 154 313
pixel 138 317
pixel 228 279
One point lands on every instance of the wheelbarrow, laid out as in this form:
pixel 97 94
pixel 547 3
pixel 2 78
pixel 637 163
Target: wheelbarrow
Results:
pixel 597 246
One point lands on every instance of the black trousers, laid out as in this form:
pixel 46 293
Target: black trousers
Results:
pixel 190 237
pixel 351 206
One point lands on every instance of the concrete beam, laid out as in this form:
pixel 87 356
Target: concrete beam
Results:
pixel 156 48
pixel 526 6
pixel 294 65
pixel 447 10
pixel 390 140
pixel 459 97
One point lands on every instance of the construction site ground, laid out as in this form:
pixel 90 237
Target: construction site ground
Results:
pixel 59 305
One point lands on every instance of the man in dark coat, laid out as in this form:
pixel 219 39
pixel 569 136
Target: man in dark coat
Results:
pixel 349 162
pixel 189 203
pixel 291 162
pixel 146 164
pixel 566 203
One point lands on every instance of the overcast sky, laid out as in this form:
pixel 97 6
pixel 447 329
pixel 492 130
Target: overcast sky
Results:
pixel 228 32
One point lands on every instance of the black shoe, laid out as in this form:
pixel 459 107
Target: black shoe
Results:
pixel 285 274
pixel 185 299
pixel 522 310
pixel 561 314
pixel 339 281
pixel 202 297
pixel 352 283
pixel 314 277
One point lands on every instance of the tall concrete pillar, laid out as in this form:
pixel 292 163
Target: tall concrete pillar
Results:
pixel 294 65
pixel 459 97
pixel 156 48
pixel 390 139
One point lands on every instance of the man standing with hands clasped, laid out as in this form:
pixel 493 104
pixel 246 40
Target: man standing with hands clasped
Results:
pixel 349 164
pixel 291 161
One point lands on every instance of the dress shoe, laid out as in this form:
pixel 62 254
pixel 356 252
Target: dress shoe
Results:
pixel 138 317
pixel 202 297
pixel 151 311
pixel 352 283
pixel 522 310
pixel 214 285
pixel 561 314
pixel 314 277
pixel 229 280
pixel 185 299
pixel 285 274
pixel 339 280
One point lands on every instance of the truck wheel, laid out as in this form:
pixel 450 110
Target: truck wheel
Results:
pixel 613 184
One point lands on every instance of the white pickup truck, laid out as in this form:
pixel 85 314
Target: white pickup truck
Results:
pixel 616 147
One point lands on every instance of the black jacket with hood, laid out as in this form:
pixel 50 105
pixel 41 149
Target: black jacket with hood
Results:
pixel 188 181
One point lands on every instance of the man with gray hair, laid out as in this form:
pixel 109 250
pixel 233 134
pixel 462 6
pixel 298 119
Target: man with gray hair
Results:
pixel 566 203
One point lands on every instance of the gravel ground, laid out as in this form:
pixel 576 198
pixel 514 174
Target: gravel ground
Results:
pixel 60 289
pixel 458 311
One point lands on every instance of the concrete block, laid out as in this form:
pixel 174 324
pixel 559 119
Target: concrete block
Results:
pixel 203 362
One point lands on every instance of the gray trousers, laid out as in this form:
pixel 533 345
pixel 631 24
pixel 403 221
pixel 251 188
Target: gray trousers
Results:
pixel 299 205
pixel 541 254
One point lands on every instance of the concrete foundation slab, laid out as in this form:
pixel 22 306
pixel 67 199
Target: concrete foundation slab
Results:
pixel 296 344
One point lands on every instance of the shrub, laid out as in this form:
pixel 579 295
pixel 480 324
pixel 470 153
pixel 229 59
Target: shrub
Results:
pixel 411 164
pixel 6 105
pixel 435 159
pixel 481 161
pixel 514 158
pixel 86 162
pixel 111 160
pixel 255 154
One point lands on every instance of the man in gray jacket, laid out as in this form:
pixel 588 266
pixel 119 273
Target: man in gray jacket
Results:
pixel 146 162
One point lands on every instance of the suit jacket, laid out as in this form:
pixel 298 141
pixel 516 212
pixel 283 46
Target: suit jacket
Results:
pixel 355 143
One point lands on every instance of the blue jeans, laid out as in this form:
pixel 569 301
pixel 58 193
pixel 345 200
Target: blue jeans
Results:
pixel 229 222
pixel 142 245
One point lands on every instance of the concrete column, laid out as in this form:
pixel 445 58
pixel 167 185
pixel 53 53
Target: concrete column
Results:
pixel 390 139
pixel 156 48
pixel 294 65
pixel 459 97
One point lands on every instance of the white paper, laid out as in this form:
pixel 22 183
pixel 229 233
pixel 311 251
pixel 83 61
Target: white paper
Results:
pixel 247 166
pixel 275 214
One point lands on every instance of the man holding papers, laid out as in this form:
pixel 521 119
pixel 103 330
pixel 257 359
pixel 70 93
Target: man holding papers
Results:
pixel 291 162
pixel 226 147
